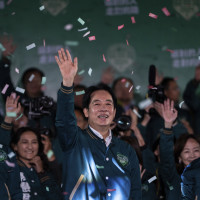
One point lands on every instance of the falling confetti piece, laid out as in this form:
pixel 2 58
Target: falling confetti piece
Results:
pixel 153 15
pixel 11 114
pixel 86 34
pixel 31 77
pixel 180 104
pixel 44 79
pixel 145 103
pixel 71 43
pixel 99 167
pixel 19 117
pixel 123 80
pixel 17 70
pixel 90 72
pixel 120 27
pixel 42 8
pixel 47 189
pixel 104 59
pixel 9 1
pixel 137 87
pixel 4 89
pixel 21 90
pixel 31 46
pixel 81 72
pixel 127 43
pixel 152 179
pixel 1 146
pixel 11 154
pixel 44 43
pixel 169 50
pixel 13 13
pixel 83 29
pixel 10 164
pixel 65 193
pixel 111 190
pixel 6 65
pixel 80 92
pixel 127 84
pixel 130 89
pixel 81 21
pixel 2 48
pixel 50 154
pixel 92 38
pixel 165 11
pixel 136 112
pixel 133 20
pixel 68 27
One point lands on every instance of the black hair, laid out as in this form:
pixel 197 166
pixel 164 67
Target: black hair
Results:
pixel 15 137
pixel 89 91
pixel 166 81
pixel 120 79
pixel 30 71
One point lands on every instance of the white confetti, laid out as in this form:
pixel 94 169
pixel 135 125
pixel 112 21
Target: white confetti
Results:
pixel 90 72
pixel 80 92
pixel 86 34
pixel 145 103
pixel 44 79
pixel 4 89
pixel 137 87
pixel 31 77
pixel 42 8
pixel 127 84
pixel 1 146
pixel 83 29
pixel 180 104
pixel 152 179
pixel 10 164
pixel 31 46
pixel 136 112
pixel 81 72
pixel 21 90
pixel 130 88
pixel 11 154
pixel 68 27
pixel 17 70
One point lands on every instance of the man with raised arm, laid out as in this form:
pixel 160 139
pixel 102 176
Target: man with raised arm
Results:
pixel 96 166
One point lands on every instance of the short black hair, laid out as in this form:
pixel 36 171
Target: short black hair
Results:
pixel 89 91
pixel 165 82
pixel 30 71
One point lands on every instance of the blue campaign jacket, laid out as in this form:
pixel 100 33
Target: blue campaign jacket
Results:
pixel 190 186
pixel 92 171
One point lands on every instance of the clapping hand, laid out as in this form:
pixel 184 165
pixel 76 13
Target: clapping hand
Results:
pixel 68 68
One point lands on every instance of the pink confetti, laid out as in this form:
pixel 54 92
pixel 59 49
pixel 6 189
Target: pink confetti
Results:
pixel 65 193
pixel 10 164
pixel 111 190
pixel 44 42
pixel 123 80
pixel 133 20
pixel 9 1
pixel 165 11
pixel 120 27
pixel 92 38
pixel 153 15
pixel 127 43
pixel 130 89
pixel 104 59
pixel 17 70
pixel 171 51
pixel 4 89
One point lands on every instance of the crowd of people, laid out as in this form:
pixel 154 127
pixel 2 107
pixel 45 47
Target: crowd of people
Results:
pixel 95 142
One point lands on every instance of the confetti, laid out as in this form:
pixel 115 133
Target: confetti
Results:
pixel 42 8
pixel 50 154
pixel 111 190
pixel 31 46
pixel 4 89
pixel 11 114
pixel 152 179
pixel 171 51
pixel 92 38
pixel 11 154
pixel 19 117
pixel 6 65
pixel 145 103
pixel 81 72
pixel 86 34
pixel 104 59
pixel 13 13
pixel 90 72
pixel 99 167
pixel 165 11
pixel 130 89
pixel 21 90
pixel 31 77
pixel 80 92
pixel 137 87
pixel 1 146
pixel 71 43
pixel 83 29
pixel 68 27
pixel 81 21
pixel 47 189
pixel 65 193
pixel 2 48
pixel 120 27
pixel 133 20
pixel 153 15
pixel 44 79
pixel 44 43
pixel 9 1
pixel 10 164
pixel 127 43
pixel 180 104
pixel 17 70
pixel 123 80
pixel 127 84
pixel 136 112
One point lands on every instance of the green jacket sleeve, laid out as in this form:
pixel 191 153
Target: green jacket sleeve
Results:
pixel 5 133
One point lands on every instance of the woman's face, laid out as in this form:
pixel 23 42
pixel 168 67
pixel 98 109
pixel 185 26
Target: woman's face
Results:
pixel 27 147
pixel 190 152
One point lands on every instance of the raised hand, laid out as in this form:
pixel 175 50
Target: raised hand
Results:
pixel 68 68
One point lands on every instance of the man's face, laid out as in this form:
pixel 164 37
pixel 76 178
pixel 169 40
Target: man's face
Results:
pixel 101 110
pixel 173 91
